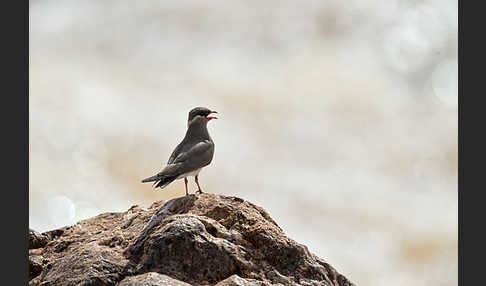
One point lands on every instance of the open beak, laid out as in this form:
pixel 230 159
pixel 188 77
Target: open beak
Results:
pixel 211 117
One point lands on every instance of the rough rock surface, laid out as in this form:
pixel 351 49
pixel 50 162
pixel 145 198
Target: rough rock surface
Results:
pixel 151 279
pixel 202 239
pixel 37 240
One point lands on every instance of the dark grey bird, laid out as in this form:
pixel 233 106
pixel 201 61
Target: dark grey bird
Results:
pixel 194 152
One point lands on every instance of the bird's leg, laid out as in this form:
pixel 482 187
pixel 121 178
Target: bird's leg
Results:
pixel 185 182
pixel 198 187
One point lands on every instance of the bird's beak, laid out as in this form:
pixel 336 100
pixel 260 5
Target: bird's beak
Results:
pixel 211 117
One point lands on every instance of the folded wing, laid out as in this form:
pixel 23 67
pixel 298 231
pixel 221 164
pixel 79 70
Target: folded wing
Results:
pixel 196 157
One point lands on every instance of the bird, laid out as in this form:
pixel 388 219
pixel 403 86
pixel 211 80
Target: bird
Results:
pixel 192 154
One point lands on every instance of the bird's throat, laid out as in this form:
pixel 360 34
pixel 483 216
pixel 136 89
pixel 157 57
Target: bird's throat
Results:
pixel 198 130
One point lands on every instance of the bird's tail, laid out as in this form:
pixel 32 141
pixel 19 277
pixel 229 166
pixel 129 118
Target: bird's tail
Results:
pixel 151 179
pixel 160 181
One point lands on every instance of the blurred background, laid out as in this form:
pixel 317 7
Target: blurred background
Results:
pixel 338 117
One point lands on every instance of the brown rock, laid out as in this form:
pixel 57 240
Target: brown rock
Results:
pixel 235 280
pixel 203 239
pixel 35 266
pixel 151 279
pixel 37 240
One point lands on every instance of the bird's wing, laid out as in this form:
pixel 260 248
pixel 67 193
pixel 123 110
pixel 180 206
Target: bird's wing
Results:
pixel 196 157
pixel 176 152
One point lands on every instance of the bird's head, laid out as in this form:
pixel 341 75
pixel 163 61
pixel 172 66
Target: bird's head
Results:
pixel 201 114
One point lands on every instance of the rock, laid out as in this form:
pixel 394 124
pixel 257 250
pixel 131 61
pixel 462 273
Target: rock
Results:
pixel 35 265
pixel 235 280
pixel 37 240
pixel 202 239
pixel 151 279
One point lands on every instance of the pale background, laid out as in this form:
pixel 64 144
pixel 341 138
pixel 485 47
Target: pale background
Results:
pixel 338 117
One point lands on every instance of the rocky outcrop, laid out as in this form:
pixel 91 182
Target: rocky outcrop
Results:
pixel 202 239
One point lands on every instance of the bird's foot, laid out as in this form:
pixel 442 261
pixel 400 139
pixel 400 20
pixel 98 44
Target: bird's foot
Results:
pixel 199 191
